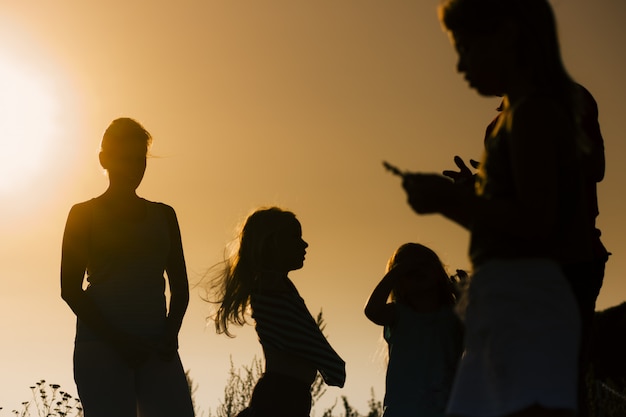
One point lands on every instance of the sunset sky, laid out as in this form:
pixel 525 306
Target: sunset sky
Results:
pixel 254 103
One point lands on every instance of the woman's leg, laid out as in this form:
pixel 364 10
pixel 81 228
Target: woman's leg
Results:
pixel 106 385
pixel 162 389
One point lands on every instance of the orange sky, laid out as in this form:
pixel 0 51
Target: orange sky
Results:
pixel 255 103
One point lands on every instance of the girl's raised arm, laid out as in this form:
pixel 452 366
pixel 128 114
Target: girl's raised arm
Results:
pixel 377 309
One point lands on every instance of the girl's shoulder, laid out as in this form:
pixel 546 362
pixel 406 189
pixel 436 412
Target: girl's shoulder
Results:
pixel 441 311
pixel 275 285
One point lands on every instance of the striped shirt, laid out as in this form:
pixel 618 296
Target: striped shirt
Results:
pixel 283 322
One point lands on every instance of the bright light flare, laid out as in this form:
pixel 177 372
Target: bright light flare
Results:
pixel 27 124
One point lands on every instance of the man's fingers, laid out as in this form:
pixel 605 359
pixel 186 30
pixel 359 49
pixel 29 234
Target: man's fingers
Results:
pixel 451 174
pixel 461 164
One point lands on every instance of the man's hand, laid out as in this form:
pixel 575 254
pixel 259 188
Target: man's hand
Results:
pixel 429 193
pixel 464 175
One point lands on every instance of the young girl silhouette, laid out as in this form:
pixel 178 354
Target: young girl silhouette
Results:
pixel 414 302
pixel 529 214
pixel 256 276
pixel 125 357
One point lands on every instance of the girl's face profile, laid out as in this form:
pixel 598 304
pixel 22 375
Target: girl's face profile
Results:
pixel 287 247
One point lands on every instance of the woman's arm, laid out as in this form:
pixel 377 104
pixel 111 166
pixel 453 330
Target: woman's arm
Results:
pixel 178 283
pixel 74 258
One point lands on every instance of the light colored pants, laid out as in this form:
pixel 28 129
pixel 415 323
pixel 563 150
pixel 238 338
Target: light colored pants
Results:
pixel 108 387
pixel 521 340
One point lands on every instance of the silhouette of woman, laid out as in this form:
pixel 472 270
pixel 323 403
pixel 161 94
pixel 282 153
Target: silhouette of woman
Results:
pixel 126 359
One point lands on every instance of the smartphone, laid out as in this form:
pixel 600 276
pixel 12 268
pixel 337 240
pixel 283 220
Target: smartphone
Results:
pixel 393 169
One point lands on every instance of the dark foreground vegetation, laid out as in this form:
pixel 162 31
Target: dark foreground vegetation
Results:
pixel 607 393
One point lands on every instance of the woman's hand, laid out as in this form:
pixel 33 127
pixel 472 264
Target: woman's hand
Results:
pixel 133 350
pixel 167 347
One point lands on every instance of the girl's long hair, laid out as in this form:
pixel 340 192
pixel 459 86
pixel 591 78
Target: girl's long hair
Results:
pixel 239 273
pixel 414 251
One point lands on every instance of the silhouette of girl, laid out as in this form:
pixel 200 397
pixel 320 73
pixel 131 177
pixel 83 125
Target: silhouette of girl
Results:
pixel 125 357
pixel 270 246
pixel 527 217
pixel 423 333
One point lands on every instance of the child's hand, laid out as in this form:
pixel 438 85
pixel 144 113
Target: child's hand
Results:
pixel 459 282
pixel 401 269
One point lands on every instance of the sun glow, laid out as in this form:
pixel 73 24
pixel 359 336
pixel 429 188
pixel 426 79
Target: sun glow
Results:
pixel 27 123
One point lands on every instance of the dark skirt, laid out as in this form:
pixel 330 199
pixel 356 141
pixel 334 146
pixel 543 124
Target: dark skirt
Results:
pixel 277 395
